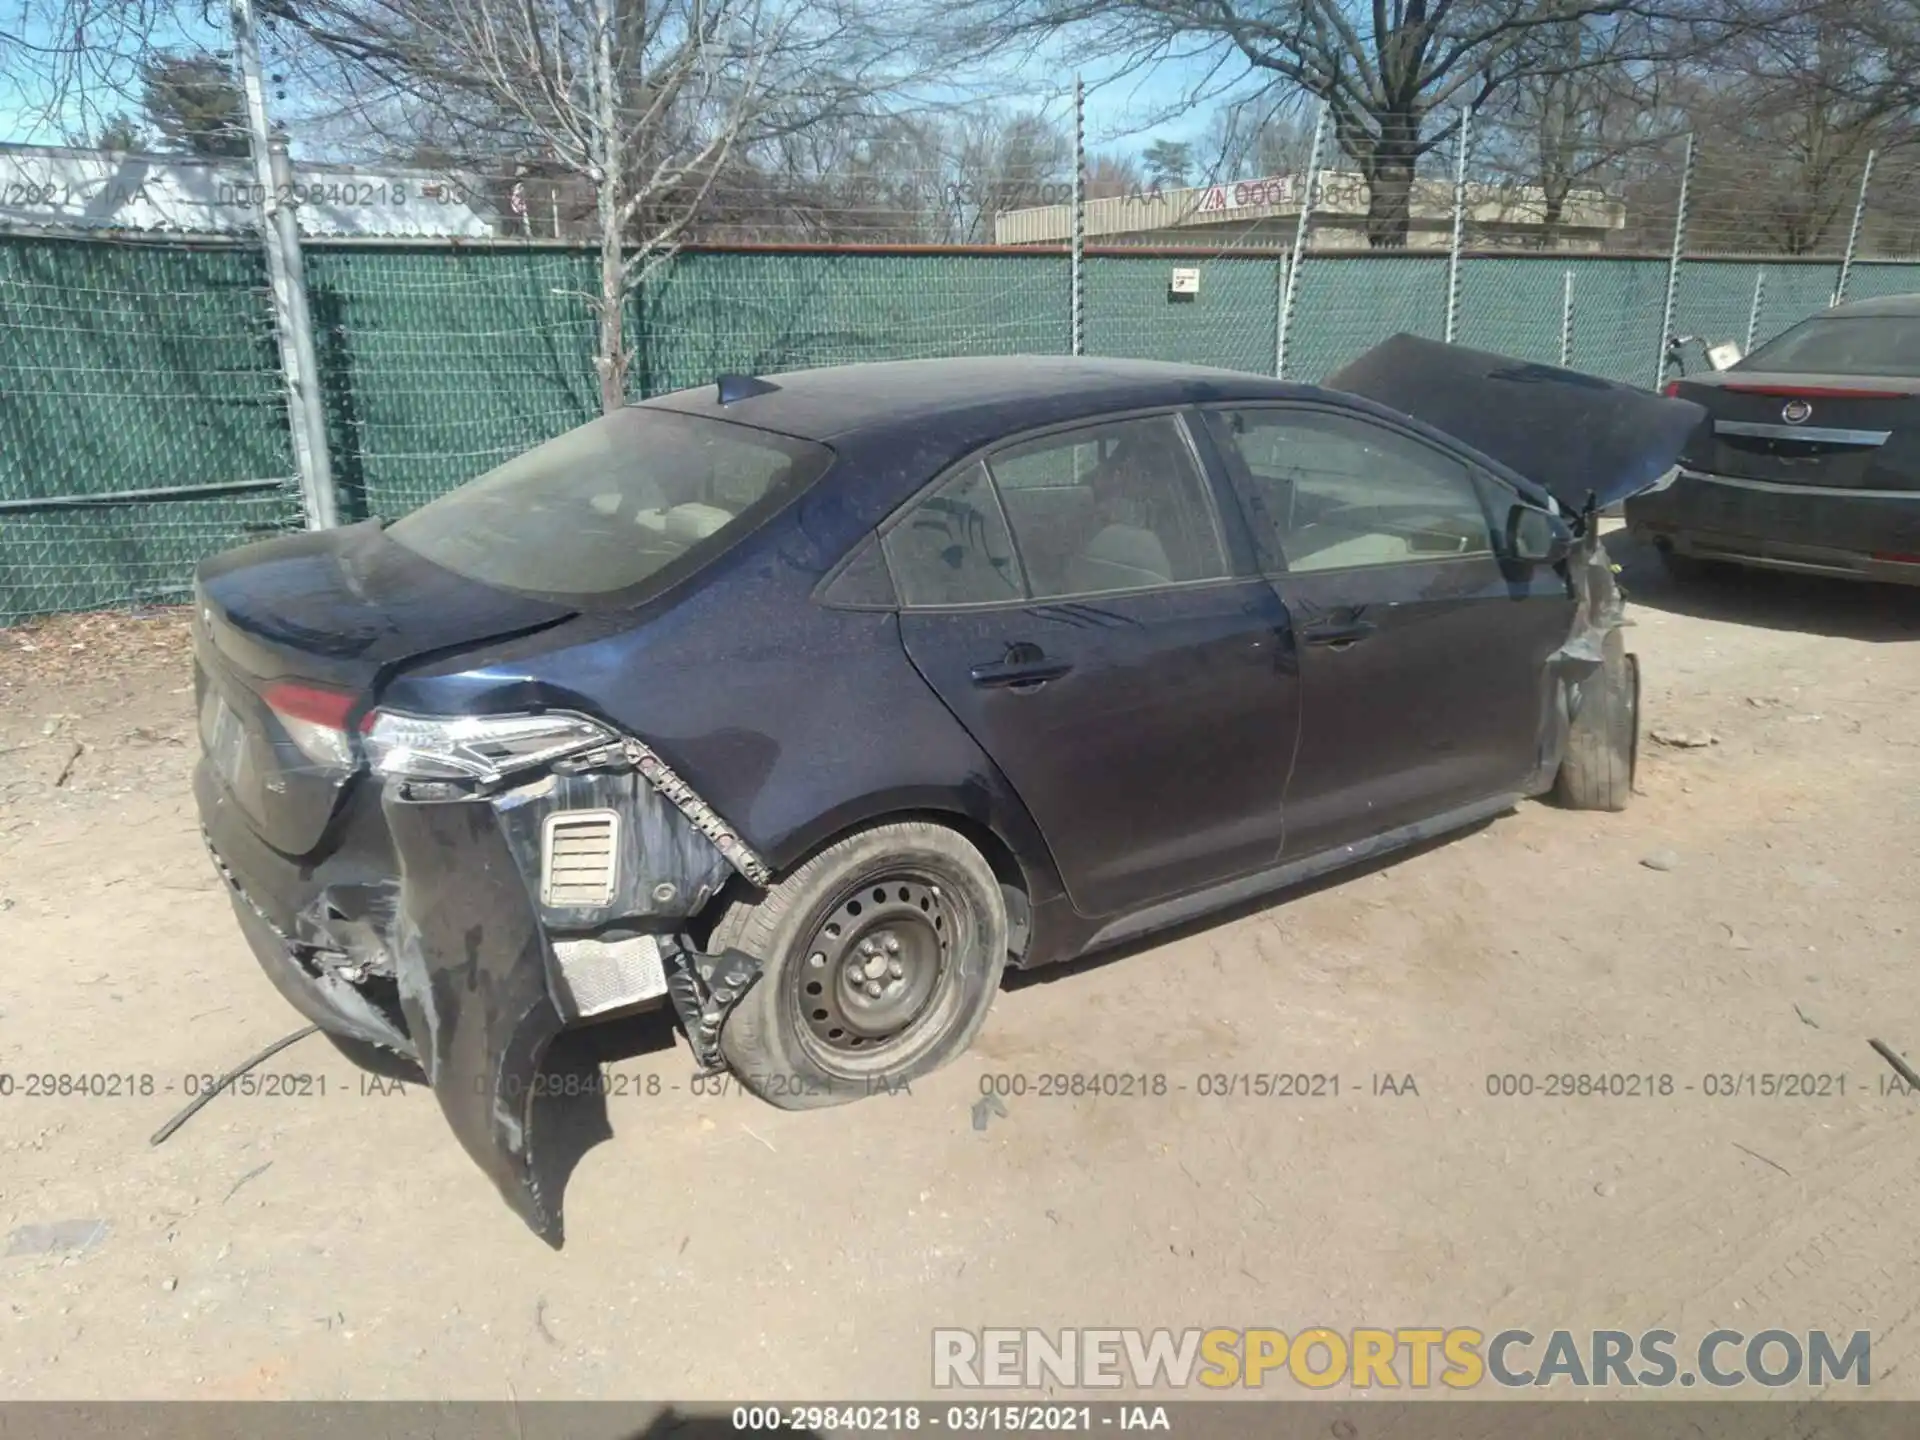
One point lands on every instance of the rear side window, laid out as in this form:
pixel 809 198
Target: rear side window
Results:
pixel 1113 507
pixel 952 547
pixel 1843 345
pixel 639 496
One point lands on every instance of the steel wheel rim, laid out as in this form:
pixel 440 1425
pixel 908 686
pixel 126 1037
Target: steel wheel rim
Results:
pixel 893 934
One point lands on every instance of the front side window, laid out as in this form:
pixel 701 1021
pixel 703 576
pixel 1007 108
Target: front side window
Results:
pixel 636 496
pixel 1332 491
pixel 1119 506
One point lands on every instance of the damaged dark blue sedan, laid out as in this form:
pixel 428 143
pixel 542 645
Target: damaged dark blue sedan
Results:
pixel 809 703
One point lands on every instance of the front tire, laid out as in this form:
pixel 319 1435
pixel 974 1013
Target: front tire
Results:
pixel 1603 737
pixel 880 958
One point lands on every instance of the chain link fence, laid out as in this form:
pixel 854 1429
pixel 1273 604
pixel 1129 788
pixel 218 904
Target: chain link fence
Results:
pixel 144 421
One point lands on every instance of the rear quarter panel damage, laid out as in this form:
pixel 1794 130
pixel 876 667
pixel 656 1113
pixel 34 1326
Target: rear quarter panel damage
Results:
pixel 473 947
pixel 662 866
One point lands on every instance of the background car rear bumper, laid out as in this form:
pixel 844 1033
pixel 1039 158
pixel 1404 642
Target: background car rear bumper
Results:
pixel 1849 534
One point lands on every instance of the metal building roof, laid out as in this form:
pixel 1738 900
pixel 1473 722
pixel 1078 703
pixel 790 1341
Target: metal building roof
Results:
pixel 57 188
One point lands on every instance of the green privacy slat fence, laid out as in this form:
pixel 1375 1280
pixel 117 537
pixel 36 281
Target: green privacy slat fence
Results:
pixel 1231 322
pixel 129 368
pixel 149 372
pixel 436 365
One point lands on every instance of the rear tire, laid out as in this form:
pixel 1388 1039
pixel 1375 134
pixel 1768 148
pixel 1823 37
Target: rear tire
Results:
pixel 1603 737
pixel 909 909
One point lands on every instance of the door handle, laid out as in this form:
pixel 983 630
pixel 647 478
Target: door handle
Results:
pixel 1024 667
pixel 1339 635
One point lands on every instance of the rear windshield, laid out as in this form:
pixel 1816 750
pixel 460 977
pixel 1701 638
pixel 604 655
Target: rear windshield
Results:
pixel 1843 345
pixel 636 496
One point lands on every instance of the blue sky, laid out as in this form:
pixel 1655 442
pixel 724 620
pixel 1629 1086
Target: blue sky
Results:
pixel 1124 114
pixel 24 96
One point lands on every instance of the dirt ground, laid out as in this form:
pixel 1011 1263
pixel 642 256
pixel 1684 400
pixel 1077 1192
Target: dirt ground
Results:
pixel 1753 913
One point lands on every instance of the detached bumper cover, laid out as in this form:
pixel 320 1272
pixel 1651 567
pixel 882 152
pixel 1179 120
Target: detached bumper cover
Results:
pixel 455 965
pixel 471 963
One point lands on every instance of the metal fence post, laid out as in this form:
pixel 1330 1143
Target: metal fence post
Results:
pixel 1300 231
pixel 280 235
pixel 1753 311
pixel 1673 269
pixel 1077 277
pixel 1459 224
pixel 1566 322
pixel 1853 231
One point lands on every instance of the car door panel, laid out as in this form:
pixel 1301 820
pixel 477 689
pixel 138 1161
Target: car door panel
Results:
pixel 1140 696
pixel 1423 653
pixel 1439 703
pixel 1155 757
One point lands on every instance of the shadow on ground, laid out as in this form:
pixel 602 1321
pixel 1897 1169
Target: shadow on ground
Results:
pixel 1271 900
pixel 1769 599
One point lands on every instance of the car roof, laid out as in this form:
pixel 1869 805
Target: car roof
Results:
pixel 1019 391
pixel 1880 305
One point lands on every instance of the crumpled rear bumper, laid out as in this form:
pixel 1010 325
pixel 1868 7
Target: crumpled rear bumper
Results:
pixel 451 960
pixel 470 973
pixel 472 962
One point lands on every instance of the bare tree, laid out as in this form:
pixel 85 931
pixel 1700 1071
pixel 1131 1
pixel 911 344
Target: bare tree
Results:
pixel 647 103
pixel 1110 175
pixel 937 175
pixel 1785 119
pixel 73 66
pixel 1249 139
pixel 1581 113
pixel 1393 74
pixel 864 177
pixel 1000 160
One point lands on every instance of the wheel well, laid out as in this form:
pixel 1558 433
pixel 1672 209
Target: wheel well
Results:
pixel 998 854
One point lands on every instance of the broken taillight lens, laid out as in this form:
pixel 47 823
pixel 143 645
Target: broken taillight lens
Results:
pixel 474 747
pixel 316 720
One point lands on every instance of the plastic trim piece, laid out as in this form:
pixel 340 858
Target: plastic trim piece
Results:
pixel 661 776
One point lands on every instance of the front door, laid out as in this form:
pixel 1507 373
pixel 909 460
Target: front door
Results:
pixel 1074 602
pixel 1423 656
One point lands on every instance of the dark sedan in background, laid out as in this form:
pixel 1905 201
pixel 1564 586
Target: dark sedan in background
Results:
pixel 808 703
pixel 1811 458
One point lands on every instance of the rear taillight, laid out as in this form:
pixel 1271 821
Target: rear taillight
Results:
pixel 1673 388
pixel 316 720
pixel 474 747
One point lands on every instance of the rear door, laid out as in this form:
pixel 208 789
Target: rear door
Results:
pixel 1087 609
pixel 1423 657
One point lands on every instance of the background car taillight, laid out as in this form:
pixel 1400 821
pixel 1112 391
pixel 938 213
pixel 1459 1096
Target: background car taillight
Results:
pixel 474 747
pixel 317 720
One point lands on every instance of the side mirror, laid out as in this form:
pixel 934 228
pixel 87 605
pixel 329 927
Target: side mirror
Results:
pixel 1536 538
